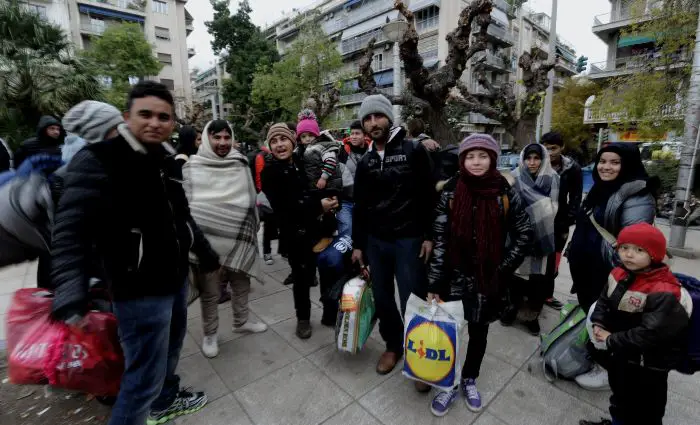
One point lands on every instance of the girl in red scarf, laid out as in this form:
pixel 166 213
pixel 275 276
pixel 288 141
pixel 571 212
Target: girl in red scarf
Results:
pixel 481 234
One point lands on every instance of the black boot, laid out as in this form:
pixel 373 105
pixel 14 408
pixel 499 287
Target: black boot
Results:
pixel 602 422
pixel 509 315
pixel 533 326
pixel 289 280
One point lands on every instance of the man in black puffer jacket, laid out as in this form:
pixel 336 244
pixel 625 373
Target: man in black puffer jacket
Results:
pixel 120 209
pixel 49 138
pixel 394 202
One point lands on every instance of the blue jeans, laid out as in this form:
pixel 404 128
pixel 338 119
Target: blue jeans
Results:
pixel 151 331
pixel 389 259
pixel 333 262
pixel 344 218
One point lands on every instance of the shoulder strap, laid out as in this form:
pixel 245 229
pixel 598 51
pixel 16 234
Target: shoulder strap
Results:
pixel 607 236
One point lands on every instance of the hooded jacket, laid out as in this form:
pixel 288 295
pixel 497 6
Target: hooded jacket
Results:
pixel 121 209
pixel 41 143
pixel 647 314
pixel 570 194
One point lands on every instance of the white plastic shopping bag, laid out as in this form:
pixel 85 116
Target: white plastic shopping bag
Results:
pixel 600 345
pixel 431 342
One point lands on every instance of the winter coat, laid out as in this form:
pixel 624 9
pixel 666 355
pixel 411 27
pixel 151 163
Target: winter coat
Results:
pixel 647 314
pixel 394 196
pixel 41 143
pixel 120 205
pixel 313 156
pixel 570 194
pixel 453 283
pixel 5 156
pixel 591 257
pixel 297 210
pixel 351 156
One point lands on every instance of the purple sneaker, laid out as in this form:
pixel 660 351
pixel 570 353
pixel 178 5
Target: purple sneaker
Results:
pixel 442 402
pixel 471 394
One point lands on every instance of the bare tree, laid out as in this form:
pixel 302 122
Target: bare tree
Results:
pixel 429 92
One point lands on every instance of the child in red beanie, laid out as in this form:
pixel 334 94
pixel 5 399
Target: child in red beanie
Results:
pixel 642 316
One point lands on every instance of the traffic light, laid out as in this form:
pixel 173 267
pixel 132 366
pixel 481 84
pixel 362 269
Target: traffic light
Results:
pixel 581 64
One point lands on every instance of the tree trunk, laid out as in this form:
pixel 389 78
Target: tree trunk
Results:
pixel 440 129
pixel 524 133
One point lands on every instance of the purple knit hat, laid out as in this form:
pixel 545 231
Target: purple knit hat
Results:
pixel 307 123
pixel 480 141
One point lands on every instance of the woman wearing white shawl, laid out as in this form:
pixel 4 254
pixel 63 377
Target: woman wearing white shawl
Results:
pixel 222 197
pixel 537 183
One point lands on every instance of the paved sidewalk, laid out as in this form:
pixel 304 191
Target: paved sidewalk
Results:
pixel 275 378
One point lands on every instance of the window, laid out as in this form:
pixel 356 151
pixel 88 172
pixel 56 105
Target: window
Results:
pixel 97 25
pixel 378 62
pixel 162 33
pixel 170 84
pixel 39 10
pixel 159 7
pixel 165 58
pixel 427 19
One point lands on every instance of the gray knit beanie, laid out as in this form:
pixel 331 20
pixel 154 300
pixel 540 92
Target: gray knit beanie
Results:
pixel 92 120
pixel 480 141
pixel 376 104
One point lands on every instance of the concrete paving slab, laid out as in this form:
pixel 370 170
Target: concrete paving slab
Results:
pixel 194 326
pixel 15 271
pixel 196 372
pixel 5 303
pixel 354 414
pixel 189 346
pixel 511 344
pixel 685 385
pixel 248 359
pixel 681 410
pixel 10 285
pixel 297 394
pixel 274 308
pixel 322 336
pixel 270 286
pixel 488 419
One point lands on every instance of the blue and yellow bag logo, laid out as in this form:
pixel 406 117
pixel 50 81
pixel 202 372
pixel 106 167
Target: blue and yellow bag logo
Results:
pixel 430 351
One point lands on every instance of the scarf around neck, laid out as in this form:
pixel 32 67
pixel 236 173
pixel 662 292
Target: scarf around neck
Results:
pixel 477 227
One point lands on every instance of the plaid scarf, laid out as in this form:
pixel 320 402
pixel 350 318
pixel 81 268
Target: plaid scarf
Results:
pixel 540 194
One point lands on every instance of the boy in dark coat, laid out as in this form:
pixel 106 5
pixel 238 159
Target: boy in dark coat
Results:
pixel 642 318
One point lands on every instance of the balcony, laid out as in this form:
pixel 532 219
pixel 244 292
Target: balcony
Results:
pixel 358 43
pixel 630 64
pixel 189 23
pixel 342 20
pixel 497 35
pixel 92 29
pixel 506 7
pixel 596 116
pixel 475 118
pixel 609 23
pixel 136 7
pixel 191 52
pixel 559 82
pixel 359 97
pixel 490 61
pixel 565 66
pixel 427 25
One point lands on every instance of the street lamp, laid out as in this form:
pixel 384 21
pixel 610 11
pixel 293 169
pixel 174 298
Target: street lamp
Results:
pixel 394 32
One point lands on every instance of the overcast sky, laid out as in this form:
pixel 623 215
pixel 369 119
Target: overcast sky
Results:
pixel 575 18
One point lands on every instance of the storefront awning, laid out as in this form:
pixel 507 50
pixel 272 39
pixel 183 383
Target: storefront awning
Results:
pixel 110 13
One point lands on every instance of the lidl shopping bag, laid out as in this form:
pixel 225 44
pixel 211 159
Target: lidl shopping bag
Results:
pixel 356 315
pixel 432 336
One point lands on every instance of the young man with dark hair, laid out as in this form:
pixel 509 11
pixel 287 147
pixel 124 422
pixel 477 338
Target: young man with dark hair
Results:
pixel 120 208
pixel 570 193
pixel 356 145
pixel 50 135
pixel 392 221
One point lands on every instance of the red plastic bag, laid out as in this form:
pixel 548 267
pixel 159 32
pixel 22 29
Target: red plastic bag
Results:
pixel 87 358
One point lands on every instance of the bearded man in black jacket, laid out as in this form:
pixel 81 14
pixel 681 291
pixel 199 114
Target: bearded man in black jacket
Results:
pixel 121 209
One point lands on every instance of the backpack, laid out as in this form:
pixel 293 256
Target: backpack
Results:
pixel 564 353
pixel 691 359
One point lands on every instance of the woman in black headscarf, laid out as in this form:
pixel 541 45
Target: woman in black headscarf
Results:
pixel 622 194
pixel 188 141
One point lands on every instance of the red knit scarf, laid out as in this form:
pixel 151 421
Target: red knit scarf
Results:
pixel 476 237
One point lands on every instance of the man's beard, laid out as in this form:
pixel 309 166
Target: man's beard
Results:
pixel 383 136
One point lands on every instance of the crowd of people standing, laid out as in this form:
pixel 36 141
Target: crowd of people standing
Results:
pixel 378 203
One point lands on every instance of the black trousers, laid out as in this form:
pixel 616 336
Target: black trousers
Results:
pixel 476 348
pixel 638 393
pixel 269 233
pixel 303 264
pixel 43 271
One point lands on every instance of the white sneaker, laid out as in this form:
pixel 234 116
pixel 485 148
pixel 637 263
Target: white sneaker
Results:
pixel 595 380
pixel 210 346
pixel 250 327
pixel 268 259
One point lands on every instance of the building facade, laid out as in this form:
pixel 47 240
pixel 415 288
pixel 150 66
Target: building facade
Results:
pixel 207 89
pixel 352 23
pixel 627 54
pixel 165 23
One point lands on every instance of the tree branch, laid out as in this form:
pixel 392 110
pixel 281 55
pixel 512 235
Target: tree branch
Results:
pixel 408 51
pixel 366 77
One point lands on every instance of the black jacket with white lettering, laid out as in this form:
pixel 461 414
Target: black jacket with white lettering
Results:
pixel 394 196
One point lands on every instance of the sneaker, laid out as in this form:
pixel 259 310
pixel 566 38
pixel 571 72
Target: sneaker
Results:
pixel 533 327
pixel 594 380
pixel 210 346
pixel 250 327
pixel 289 280
pixel 304 329
pixel 185 403
pixel 602 422
pixel 442 402
pixel 471 394
pixel 508 317
pixel 554 303
pixel 268 259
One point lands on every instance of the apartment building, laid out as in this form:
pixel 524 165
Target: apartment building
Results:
pixel 207 90
pixel 627 54
pixel 165 23
pixel 352 23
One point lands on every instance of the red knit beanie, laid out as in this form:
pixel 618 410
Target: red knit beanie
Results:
pixel 646 236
